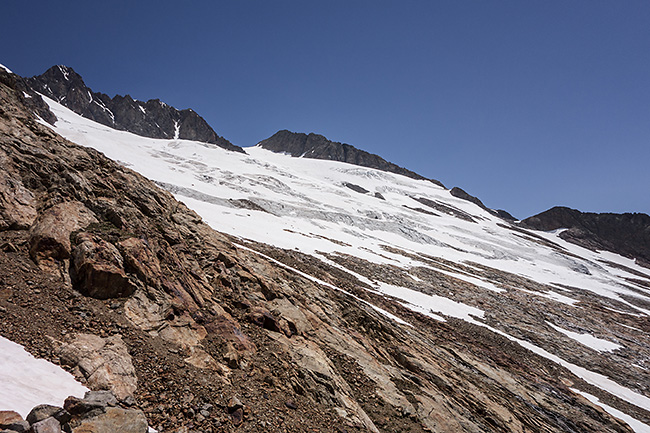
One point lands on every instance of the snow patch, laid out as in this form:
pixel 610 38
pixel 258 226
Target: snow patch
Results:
pixel 588 340
pixel 27 381
pixel 5 68
pixel 634 423
pixel 429 305
pixel 593 378
pixel 64 71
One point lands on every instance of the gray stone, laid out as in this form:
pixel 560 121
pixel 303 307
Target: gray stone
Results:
pixel 48 425
pixel 44 411
pixel 104 398
pixel 114 420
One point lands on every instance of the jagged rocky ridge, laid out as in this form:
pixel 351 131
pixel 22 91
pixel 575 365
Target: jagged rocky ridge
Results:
pixel 460 193
pixel 153 118
pixel 317 146
pixel 627 234
pixel 208 321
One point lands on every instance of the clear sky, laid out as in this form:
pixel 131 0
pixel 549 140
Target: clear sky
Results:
pixel 525 104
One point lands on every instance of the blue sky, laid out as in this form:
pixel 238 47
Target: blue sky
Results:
pixel 525 104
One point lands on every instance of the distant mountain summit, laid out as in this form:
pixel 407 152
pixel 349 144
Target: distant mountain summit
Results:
pixel 318 147
pixel 627 234
pixel 153 118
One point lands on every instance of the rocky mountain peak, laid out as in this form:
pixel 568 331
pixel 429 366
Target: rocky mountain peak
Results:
pixel 627 234
pixel 153 118
pixel 316 146
pixel 461 193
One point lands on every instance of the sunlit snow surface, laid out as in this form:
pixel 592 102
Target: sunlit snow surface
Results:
pixel 27 382
pixel 636 425
pixel 588 340
pixel 308 207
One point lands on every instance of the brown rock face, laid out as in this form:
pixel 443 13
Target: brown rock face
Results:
pixel 104 363
pixel 97 269
pixel 10 420
pixel 50 233
pixel 17 203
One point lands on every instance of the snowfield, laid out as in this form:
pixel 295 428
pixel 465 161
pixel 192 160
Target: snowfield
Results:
pixel 28 382
pixel 314 206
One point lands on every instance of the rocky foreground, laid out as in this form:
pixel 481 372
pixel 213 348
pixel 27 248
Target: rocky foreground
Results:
pixel 98 411
pixel 109 276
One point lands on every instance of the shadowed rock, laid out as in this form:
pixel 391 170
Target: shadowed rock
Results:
pixel 97 269
pixel 627 234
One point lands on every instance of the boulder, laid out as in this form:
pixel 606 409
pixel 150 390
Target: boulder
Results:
pixel 141 260
pixel 50 233
pixel 17 204
pixel 44 411
pixel 97 269
pixel 114 419
pixel 103 398
pixel 264 319
pixel 48 425
pixel 104 363
pixel 10 420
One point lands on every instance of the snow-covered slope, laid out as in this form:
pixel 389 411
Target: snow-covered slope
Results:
pixel 418 245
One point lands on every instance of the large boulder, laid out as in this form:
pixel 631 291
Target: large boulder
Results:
pixel 114 419
pixel 104 363
pixel 50 233
pixel 97 269
pixel 45 411
pixel 17 204
pixel 10 420
pixel 48 425
pixel 98 412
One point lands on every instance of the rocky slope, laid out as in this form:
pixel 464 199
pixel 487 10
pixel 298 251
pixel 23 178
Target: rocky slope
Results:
pixel 150 119
pixel 227 335
pixel 626 234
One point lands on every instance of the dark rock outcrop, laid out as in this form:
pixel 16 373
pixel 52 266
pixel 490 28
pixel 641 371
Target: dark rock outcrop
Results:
pixel 462 194
pixel 627 234
pixel 153 118
pixel 27 96
pixel 318 147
